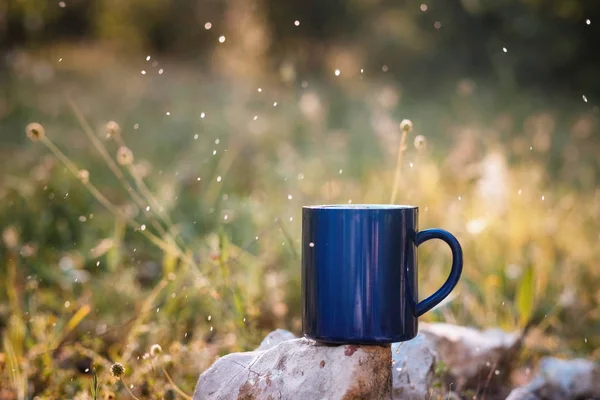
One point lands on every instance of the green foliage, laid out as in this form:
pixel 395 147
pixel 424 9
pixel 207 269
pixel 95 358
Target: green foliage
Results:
pixel 512 174
pixel 526 296
pixel 94 386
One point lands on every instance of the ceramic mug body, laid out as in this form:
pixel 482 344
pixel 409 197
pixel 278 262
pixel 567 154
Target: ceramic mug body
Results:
pixel 359 273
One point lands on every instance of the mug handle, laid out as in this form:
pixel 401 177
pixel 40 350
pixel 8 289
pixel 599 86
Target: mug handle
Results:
pixel 455 271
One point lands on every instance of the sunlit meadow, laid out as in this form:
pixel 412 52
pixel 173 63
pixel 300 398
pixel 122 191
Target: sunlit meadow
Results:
pixel 159 204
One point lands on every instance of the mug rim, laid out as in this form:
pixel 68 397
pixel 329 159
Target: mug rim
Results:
pixel 362 207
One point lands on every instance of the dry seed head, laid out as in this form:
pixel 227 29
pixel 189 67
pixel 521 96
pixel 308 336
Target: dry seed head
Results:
pixel 124 156
pixel 117 370
pixel 406 125
pixel 420 142
pixel 10 237
pixel 28 250
pixel 35 131
pixel 84 176
pixel 109 396
pixel 112 129
pixel 155 350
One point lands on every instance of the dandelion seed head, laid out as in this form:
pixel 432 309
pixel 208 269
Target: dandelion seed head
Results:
pixel 112 129
pixel 155 350
pixel 10 237
pixel 406 125
pixel 117 370
pixel 124 156
pixel 83 175
pixel 35 132
pixel 420 142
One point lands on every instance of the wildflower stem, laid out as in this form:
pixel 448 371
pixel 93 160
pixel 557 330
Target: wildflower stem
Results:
pixel 213 189
pixel 113 209
pixel 142 312
pixel 12 285
pixel 114 167
pixel 61 156
pixel 177 389
pixel 98 359
pixel 102 150
pixel 143 188
pixel 18 377
pixel 128 390
pixel 398 167
pixel 134 195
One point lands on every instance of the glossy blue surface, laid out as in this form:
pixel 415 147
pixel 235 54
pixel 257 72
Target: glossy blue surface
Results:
pixel 359 273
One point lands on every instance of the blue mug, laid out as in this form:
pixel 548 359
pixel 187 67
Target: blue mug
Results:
pixel 359 273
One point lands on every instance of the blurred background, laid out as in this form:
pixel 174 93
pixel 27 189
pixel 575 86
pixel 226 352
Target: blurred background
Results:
pixel 159 201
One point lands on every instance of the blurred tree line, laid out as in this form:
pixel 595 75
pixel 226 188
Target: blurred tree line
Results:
pixel 549 43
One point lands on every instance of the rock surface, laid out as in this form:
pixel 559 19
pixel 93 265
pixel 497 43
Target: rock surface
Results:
pixel 562 379
pixel 413 368
pixel 300 369
pixel 274 338
pixel 522 394
pixel 475 362
pixel 472 356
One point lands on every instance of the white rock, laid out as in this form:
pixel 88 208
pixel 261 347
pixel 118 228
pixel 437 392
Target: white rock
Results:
pixel 472 357
pixel 413 368
pixel 274 338
pixel 300 369
pixel 578 378
pixel 522 394
pixel 562 379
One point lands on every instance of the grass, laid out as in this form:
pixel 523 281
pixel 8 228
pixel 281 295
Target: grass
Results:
pixel 194 244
